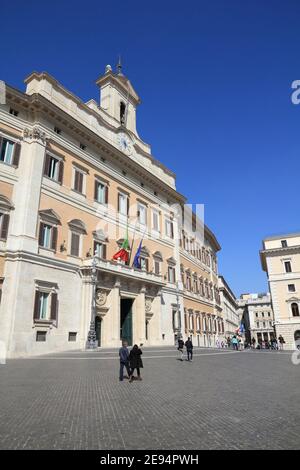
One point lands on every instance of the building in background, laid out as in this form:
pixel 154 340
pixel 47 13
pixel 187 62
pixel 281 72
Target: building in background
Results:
pixel 255 311
pixel 280 259
pixel 77 180
pixel 229 308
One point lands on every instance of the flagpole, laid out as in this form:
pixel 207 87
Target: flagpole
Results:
pixel 132 243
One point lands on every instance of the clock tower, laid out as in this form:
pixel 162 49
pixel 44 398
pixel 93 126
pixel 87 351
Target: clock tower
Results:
pixel 118 98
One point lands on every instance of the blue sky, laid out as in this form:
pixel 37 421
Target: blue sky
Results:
pixel 215 81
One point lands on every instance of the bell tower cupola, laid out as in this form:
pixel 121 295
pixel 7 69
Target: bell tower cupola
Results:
pixel 118 97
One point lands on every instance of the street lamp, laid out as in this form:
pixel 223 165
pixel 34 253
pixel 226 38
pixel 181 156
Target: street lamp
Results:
pixel 178 310
pixel 91 340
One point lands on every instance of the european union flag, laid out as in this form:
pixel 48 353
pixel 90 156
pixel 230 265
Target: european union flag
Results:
pixel 137 258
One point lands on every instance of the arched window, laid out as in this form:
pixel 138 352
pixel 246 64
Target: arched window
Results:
pixel 122 112
pixel 295 309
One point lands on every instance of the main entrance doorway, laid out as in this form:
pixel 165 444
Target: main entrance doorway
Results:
pixel 126 320
pixel 98 321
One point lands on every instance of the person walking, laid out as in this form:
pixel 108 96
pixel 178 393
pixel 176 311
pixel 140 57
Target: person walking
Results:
pixel 135 362
pixel 235 343
pixel 281 342
pixel 189 349
pixel 253 341
pixel 124 360
pixel 180 348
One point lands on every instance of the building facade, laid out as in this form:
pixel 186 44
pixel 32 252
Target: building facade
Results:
pixel 229 308
pixel 77 181
pixel 256 313
pixel 280 259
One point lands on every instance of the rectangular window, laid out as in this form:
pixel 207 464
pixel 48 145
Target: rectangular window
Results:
pixel 53 168
pixel 78 181
pixel 43 306
pixel 72 336
pixel 101 192
pixel 291 288
pixel 75 242
pixel 264 324
pixel 283 243
pixel 171 274
pixel 47 236
pixel 123 204
pixel 157 267
pixel 288 266
pixel 7 150
pixel 257 324
pixel 142 214
pixel 41 336
pixel 155 220
pixel 169 228
pixel 100 249
pixel 144 263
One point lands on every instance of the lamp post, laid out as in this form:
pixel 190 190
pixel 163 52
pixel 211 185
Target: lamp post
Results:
pixel 91 340
pixel 178 310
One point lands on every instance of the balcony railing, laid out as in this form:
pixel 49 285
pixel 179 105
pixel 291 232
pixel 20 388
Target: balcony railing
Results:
pixel 121 269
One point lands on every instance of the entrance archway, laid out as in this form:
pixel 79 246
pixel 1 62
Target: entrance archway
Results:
pixel 98 321
pixel 297 339
pixel 126 320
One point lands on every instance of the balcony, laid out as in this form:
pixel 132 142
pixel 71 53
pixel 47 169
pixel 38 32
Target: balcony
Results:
pixel 123 270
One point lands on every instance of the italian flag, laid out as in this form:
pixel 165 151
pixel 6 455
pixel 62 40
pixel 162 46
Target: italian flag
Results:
pixel 123 254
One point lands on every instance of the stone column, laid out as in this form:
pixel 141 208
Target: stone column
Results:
pixel 139 317
pixel 114 314
pixel 26 196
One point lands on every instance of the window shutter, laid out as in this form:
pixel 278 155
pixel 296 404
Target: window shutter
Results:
pixel 61 172
pixel 75 244
pixel 1 142
pixel 54 238
pixel 147 264
pixel 172 230
pixel 118 202
pixel 47 164
pixel 80 181
pixel 76 180
pixel 41 234
pixel 185 321
pixel 4 227
pixel 106 194
pixel 104 251
pixel 54 304
pixel 16 156
pixel 96 190
pixel 127 205
pixel 36 313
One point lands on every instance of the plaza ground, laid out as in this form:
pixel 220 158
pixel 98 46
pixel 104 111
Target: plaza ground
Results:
pixel 223 400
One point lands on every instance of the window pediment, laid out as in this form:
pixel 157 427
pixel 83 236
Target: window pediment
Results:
pixel 77 225
pixel 5 203
pixel 49 215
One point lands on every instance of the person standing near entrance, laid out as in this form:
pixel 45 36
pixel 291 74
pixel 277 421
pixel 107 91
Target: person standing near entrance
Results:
pixel 180 348
pixel 135 362
pixel 124 360
pixel 189 349
pixel 281 342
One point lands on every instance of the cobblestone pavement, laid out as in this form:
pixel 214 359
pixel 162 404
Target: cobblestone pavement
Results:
pixel 222 400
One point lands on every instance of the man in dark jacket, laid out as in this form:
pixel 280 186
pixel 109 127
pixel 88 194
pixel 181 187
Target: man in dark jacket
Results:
pixel 189 349
pixel 124 360
pixel 135 361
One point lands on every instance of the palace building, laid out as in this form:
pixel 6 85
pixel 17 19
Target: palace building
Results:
pixel 78 185
pixel 280 259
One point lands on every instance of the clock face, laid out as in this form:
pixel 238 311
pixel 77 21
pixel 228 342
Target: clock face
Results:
pixel 124 143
